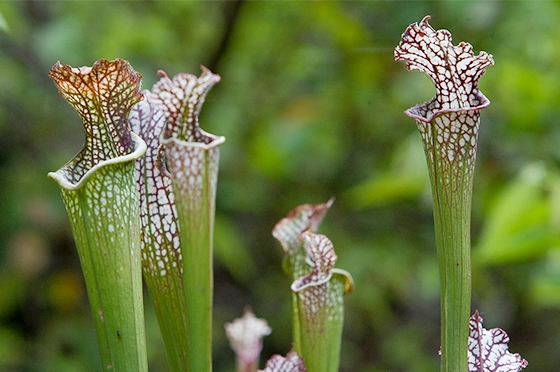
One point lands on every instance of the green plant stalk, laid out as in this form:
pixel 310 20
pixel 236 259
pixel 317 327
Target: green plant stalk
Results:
pixel 194 187
pixel 322 330
pixel 449 138
pixel 191 161
pixel 99 191
pixel 320 297
pixel 161 254
pixel 296 258
pixel 168 296
pixel 109 251
pixel 453 246
pixel 170 305
pixel 452 183
pixel 451 162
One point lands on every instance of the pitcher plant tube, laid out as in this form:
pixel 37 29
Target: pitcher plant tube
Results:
pixel 448 125
pixel 99 191
pixel 318 288
pixel 191 156
pixel 161 255
pixel 287 232
pixel 320 300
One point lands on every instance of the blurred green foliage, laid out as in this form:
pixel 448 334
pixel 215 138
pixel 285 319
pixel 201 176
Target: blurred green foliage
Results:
pixel 311 104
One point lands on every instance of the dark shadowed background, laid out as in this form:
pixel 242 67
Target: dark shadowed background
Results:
pixel 311 102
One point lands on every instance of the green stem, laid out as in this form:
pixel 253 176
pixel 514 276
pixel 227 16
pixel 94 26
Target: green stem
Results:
pixel 170 311
pixel 107 235
pixel 193 168
pixel 161 255
pixel 452 227
pixel 453 246
pixel 451 174
pixel 321 305
pixel 192 156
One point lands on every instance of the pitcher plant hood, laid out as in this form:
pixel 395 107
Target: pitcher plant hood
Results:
pixel 103 96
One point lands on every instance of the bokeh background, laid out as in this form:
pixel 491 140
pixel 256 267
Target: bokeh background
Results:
pixel 311 102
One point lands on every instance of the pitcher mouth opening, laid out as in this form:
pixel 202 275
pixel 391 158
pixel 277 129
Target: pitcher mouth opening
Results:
pixel 427 111
pixel 210 140
pixel 61 175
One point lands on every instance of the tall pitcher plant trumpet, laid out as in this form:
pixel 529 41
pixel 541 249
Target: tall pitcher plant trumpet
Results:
pixel 448 125
pixel 177 182
pixel 99 190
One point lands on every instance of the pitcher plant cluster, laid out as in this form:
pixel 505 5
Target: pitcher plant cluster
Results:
pixel 141 199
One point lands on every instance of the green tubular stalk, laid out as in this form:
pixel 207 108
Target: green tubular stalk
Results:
pixel 317 288
pixel 452 193
pixel 195 208
pixel 161 255
pixel 99 191
pixel 192 157
pixel 320 300
pixel 448 125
